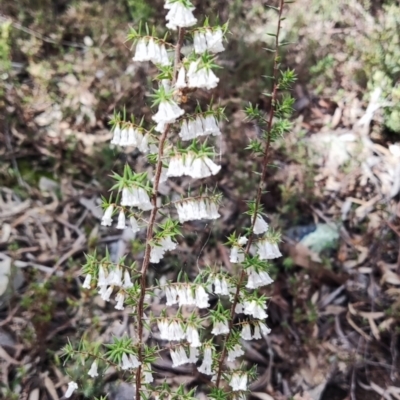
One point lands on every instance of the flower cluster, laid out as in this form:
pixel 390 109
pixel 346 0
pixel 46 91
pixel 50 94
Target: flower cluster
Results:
pixel 199 208
pixel 136 197
pixel 180 14
pixel 191 164
pixel 208 40
pixel 160 247
pixel 130 136
pixel 201 76
pixel 186 294
pixel 107 280
pixel 149 50
pixel 200 126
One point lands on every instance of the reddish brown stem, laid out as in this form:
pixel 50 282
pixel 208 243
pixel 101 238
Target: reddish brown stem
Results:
pixel 259 189
pixel 152 220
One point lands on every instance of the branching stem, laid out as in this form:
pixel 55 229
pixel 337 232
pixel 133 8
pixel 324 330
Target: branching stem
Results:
pixel 259 189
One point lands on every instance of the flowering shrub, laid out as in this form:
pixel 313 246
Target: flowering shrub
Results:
pixel 208 334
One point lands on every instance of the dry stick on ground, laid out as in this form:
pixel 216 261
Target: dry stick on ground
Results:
pixel 152 220
pixel 260 186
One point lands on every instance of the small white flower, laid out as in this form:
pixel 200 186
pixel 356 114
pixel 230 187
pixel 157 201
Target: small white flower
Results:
pixel 235 352
pixel 237 255
pixel 126 362
pixel 134 361
pixel 192 336
pixel 106 293
pixel 220 328
pixel 260 225
pixel 102 279
pixel 256 334
pixel 264 328
pixel 246 332
pixel 201 297
pixel 121 220
pixel 127 280
pixel 120 301
pixel 86 283
pixel 242 240
pixel 205 367
pixel 144 144
pixel 193 354
pixel 72 386
pixel 199 42
pixel 134 224
pixel 116 135
pixel 107 217
pixel 172 295
pixel 141 53
pixel 179 15
pixel 93 370
pixel 238 381
pixel 115 277
pixel 181 81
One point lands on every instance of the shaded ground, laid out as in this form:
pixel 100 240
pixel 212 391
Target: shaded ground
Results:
pixel 334 310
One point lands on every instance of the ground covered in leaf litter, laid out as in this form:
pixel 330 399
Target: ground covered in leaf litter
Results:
pixel 335 303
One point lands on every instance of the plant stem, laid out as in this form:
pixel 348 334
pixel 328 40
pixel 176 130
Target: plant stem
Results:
pixel 152 220
pixel 259 189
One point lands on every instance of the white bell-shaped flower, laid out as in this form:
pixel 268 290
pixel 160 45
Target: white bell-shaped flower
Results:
pixel 181 81
pixel 127 280
pixel 192 336
pixel 107 217
pixel 121 220
pixel 246 332
pixel 72 386
pixel 93 370
pixel 236 255
pixel 260 225
pixel 199 42
pixel 201 297
pixel 116 135
pixel 193 354
pixel 205 367
pixel 87 281
pixel 141 53
pixel 120 301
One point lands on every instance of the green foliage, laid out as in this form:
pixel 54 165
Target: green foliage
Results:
pixel 5 49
